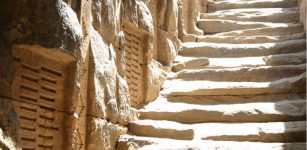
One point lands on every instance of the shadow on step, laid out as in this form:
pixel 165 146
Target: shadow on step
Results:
pixel 296 131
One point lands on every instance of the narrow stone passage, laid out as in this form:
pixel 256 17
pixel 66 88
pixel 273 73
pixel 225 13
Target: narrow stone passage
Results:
pixel 241 86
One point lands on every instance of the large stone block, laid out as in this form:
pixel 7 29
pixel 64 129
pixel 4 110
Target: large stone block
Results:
pixel 102 134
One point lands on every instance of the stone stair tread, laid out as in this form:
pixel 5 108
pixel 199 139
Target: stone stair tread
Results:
pixel 262 73
pixel 222 5
pixel 266 31
pixel 249 39
pixel 162 129
pixel 256 132
pixel 286 85
pixel 200 49
pixel 182 62
pixel 287 110
pixel 256 14
pixel 233 99
pixel 210 26
pixel 150 143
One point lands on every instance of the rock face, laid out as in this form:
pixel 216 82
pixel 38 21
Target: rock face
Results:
pixel 72 73
pixel 75 73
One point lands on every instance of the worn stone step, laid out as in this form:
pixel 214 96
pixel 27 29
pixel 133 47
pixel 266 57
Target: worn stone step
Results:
pixel 129 142
pixel 248 39
pixel 255 132
pixel 250 74
pixel 233 99
pixel 222 5
pixel 198 49
pixel 181 62
pixel 276 15
pixel 267 31
pixel 197 87
pixel 288 110
pixel 211 26
pixel 162 129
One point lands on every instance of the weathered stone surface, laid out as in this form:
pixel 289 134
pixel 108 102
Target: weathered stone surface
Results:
pixel 241 50
pixel 205 87
pixel 189 63
pixel 106 18
pixel 92 32
pixel 220 63
pixel 102 74
pixel 9 125
pixel 145 19
pixel 112 111
pixel 250 74
pixel 62 23
pixel 74 69
pixel 157 75
pixel 221 5
pixel 128 142
pixel 168 16
pixel 288 110
pixel 302 9
pixel 167 51
pixel 126 113
pixel 283 15
pixel 273 31
pixel 249 70
pixel 163 129
pixel 250 39
pixel 211 26
pixel 234 99
pixel 102 134
pixel 257 132
pixel 109 96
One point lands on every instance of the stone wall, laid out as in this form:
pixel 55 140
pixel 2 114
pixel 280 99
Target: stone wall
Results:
pixel 302 8
pixel 73 72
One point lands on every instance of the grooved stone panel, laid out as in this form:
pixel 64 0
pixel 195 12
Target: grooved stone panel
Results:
pixel 134 59
pixel 39 90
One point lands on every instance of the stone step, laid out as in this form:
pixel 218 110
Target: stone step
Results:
pixel 267 31
pixel 249 74
pixel 248 39
pixel 129 142
pixel 162 129
pixel 222 5
pixel 288 110
pixel 276 15
pixel 198 49
pixel 212 26
pixel 229 99
pixel 180 87
pixel 255 132
pixel 181 62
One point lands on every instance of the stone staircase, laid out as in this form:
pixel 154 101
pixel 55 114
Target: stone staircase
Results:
pixel 240 86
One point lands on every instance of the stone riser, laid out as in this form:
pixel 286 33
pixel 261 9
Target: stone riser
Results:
pixel 249 39
pixel 215 6
pixel 275 15
pixel 244 74
pixel 241 50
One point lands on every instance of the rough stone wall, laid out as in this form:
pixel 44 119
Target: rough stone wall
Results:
pixel 72 72
pixel 302 8
pixel 189 13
